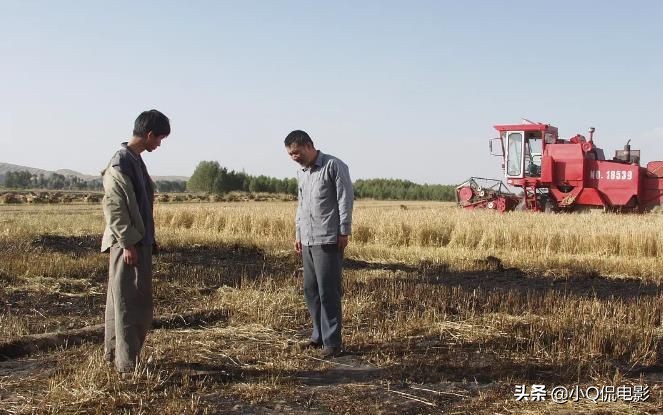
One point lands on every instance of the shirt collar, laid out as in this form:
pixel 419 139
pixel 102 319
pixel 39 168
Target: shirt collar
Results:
pixel 318 161
pixel 136 157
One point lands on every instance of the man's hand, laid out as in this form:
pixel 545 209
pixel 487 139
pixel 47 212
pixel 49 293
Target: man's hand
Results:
pixel 298 247
pixel 130 256
pixel 342 242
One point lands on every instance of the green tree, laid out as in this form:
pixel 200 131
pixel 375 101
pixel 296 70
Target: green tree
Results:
pixel 292 186
pixel 18 179
pixel 56 181
pixel 204 177
pixel 397 189
pixel 222 183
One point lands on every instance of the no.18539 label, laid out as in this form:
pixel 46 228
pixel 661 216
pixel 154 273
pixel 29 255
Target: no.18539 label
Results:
pixel 611 174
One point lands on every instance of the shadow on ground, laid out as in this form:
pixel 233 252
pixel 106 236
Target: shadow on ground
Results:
pixel 253 262
pixel 73 245
pixel 491 275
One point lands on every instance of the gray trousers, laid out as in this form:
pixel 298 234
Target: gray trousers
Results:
pixel 128 308
pixel 323 291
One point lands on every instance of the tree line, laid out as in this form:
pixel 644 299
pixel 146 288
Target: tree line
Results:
pixel 396 189
pixel 26 180
pixel 211 177
pixel 54 181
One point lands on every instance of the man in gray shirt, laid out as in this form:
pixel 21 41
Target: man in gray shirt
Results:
pixel 323 224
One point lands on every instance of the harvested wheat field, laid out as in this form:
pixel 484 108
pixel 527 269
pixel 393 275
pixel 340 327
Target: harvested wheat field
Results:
pixel 445 311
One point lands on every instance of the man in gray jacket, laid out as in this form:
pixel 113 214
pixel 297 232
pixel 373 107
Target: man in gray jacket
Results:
pixel 129 236
pixel 323 224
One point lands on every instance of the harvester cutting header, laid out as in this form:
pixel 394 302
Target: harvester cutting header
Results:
pixel 563 175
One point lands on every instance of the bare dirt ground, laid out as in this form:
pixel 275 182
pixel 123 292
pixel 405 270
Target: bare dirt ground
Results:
pixel 246 360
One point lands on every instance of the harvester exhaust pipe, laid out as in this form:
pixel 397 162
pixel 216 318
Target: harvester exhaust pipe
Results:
pixel 591 134
pixel 627 150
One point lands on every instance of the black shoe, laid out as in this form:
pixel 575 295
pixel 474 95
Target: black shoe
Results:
pixel 328 352
pixel 126 375
pixel 310 344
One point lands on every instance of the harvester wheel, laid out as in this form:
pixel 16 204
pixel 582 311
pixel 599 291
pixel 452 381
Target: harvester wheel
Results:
pixel 501 204
pixel 549 206
pixel 465 194
pixel 521 207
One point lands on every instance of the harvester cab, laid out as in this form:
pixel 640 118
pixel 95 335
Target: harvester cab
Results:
pixel 554 174
pixel 523 148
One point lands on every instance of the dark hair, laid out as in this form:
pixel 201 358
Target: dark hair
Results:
pixel 298 137
pixel 151 120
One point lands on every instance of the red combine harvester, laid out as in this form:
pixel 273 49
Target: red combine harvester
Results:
pixel 563 175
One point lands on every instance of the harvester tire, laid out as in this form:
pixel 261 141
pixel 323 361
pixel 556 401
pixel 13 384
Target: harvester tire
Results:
pixel 550 207
pixel 501 204
pixel 520 207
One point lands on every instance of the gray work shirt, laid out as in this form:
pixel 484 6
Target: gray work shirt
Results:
pixel 325 203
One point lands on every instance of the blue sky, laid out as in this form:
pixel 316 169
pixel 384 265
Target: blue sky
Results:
pixel 396 89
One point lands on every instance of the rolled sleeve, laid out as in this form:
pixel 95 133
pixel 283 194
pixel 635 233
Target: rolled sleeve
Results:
pixel 298 232
pixel 345 198
pixel 298 216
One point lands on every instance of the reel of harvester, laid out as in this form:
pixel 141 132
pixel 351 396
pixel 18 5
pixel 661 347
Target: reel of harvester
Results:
pixel 482 193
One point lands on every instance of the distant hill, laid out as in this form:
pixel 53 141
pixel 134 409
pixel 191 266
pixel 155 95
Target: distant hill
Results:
pixel 67 172
pixel 8 167
pixel 171 178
